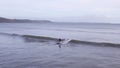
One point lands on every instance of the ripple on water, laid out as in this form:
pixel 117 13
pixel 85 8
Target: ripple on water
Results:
pixel 49 55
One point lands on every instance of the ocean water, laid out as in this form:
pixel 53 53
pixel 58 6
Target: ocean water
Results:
pixel 33 45
pixel 103 33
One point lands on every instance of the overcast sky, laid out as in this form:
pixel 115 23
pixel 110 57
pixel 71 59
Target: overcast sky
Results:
pixel 63 10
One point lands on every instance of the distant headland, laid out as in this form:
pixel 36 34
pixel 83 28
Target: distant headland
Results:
pixel 6 20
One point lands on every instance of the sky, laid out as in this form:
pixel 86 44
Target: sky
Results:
pixel 63 10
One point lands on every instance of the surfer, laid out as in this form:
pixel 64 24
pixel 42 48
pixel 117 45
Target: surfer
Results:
pixel 62 42
pixel 59 42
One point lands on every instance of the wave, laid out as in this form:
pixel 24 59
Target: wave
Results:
pixel 33 38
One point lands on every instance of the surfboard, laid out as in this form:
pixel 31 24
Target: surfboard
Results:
pixel 65 41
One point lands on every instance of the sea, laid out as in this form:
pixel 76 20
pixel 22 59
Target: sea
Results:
pixel 34 45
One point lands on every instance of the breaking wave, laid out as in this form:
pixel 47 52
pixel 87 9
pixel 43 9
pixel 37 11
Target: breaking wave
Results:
pixel 33 38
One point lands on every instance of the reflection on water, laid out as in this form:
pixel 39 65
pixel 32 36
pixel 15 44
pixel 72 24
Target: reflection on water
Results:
pixel 16 52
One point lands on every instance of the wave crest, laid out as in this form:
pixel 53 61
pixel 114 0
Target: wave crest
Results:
pixel 33 38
